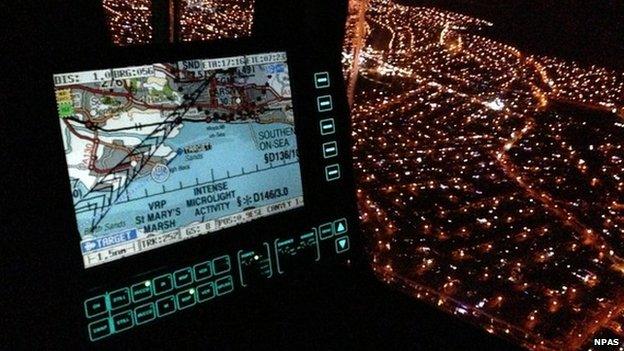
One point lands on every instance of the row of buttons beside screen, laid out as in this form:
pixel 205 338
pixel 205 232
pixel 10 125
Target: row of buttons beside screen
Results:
pixel 121 309
pixel 163 295
pixel 157 286
pixel 147 312
pixel 324 104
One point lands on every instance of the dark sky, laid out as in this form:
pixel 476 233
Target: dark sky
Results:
pixel 590 31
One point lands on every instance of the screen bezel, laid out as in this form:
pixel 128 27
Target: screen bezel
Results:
pixel 135 57
pixel 298 179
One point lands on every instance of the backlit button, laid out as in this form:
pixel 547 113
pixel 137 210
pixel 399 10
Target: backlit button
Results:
pixel 202 270
pixel 119 298
pixel 123 321
pixel 95 305
pixel 144 314
pixel 340 226
pixel 221 264
pixel 342 244
pixel 205 292
pixel 321 80
pixel 99 329
pixel 186 299
pixel 325 231
pixel 330 149
pixel 324 103
pixel 224 285
pixel 327 126
pixel 162 284
pixel 182 277
pixel 165 306
pixel 141 291
pixel 332 172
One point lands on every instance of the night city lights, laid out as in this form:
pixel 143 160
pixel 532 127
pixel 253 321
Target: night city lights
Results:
pixel 215 19
pixel 130 20
pixel 491 180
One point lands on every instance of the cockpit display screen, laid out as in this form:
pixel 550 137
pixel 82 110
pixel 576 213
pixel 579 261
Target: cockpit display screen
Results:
pixel 160 153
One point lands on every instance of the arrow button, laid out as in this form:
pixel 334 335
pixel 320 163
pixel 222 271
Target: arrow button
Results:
pixel 342 244
pixel 340 226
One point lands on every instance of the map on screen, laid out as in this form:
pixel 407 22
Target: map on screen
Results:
pixel 161 153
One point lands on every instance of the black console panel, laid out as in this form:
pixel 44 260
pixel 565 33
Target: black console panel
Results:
pixel 187 180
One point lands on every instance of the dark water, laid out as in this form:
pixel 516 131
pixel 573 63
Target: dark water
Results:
pixel 587 31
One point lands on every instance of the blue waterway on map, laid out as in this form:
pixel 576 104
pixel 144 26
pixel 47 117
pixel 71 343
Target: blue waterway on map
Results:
pixel 234 152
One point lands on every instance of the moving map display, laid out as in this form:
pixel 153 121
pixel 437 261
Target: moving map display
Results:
pixel 161 153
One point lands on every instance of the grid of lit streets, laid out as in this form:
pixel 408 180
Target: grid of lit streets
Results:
pixel 491 181
pixel 130 20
